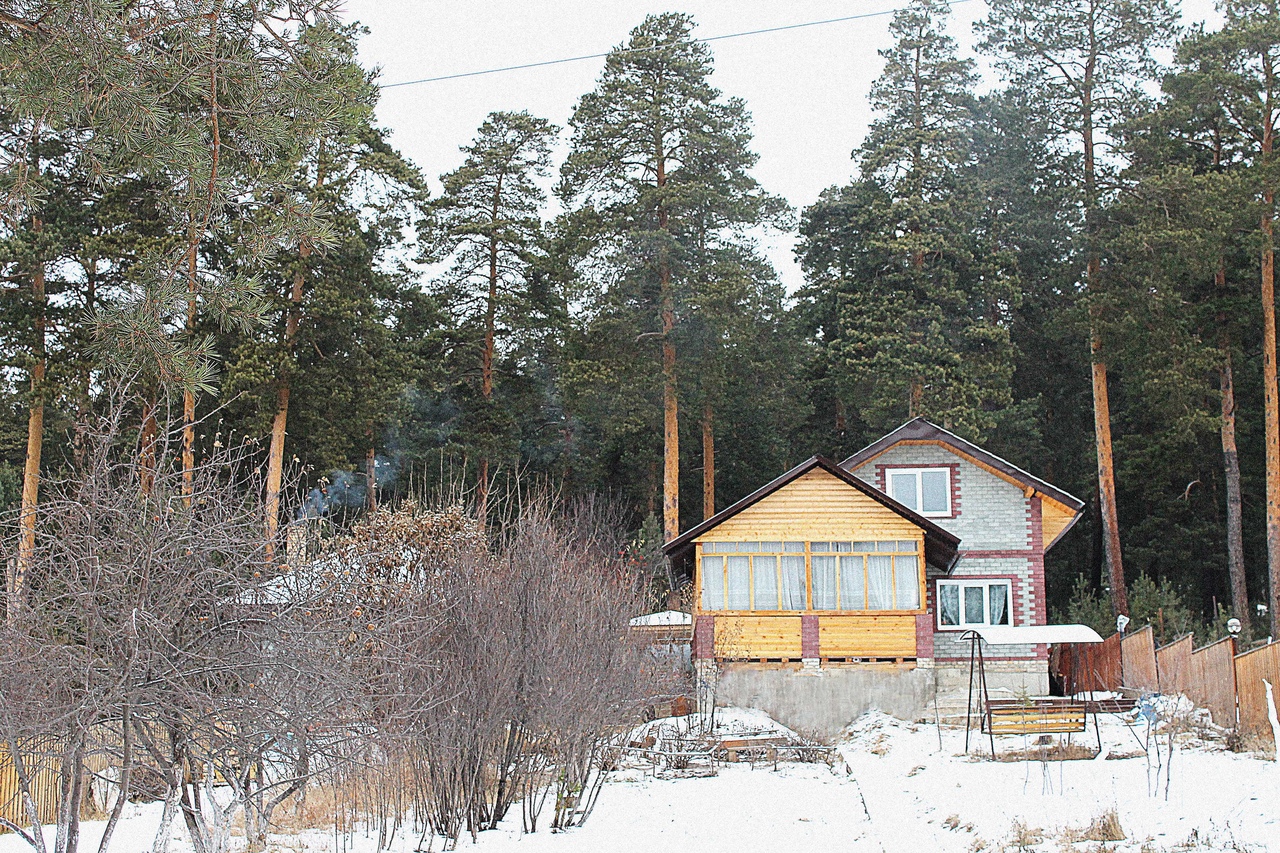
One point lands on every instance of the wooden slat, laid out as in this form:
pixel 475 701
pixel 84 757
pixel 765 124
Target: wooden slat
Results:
pixel 867 636
pixel 42 768
pixel 1250 670
pixel 1173 665
pixel 816 506
pixel 743 637
pixel 1138 660
pixel 1213 681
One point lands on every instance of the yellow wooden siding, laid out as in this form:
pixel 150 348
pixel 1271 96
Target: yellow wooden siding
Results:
pixel 815 507
pixel 757 637
pixel 1055 518
pixel 875 636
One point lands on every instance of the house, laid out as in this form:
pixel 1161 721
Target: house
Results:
pixel 838 588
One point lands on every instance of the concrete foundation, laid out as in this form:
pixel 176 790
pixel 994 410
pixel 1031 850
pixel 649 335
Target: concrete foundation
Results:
pixel 820 701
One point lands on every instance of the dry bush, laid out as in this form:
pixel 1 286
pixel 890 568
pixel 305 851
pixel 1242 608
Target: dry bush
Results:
pixel 1053 752
pixel 1022 837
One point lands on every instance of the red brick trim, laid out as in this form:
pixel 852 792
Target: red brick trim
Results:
pixel 809 635
pixel 1035 534
pixel 924 635
pixel 1009 553
pixel 704 637
pixel 882 482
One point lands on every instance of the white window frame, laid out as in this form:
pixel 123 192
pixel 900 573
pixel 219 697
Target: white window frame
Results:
pixel 985 584
pixel 890 473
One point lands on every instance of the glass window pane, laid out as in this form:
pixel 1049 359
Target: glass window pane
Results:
pixel 748 547
pixel 908 545
pixel 998 595
pixel 712 583
pixel 890 545
pixel 934 486
pixel 793 592
pixel 949 603
pixel 842 547
pixel 824 583
pixel 764 580
pixel 853 593
pixel 880 583
pixel 906 583
pixel 864 547
pixel 819 546
pixel 973 607
pixel 793 547
pixel 902 488
pixel 770 547
pixel 738 583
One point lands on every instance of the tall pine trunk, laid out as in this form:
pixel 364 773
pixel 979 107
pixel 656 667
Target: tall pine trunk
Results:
pixel 670 406
pixel 1098 367
pixel 486 352
pixel 708 462
pixel 1271 405
pixel 35 437
pixel 275 456
pixel 1231 466
pixel 188 393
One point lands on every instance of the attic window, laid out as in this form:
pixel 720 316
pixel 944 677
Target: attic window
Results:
pixel 925 490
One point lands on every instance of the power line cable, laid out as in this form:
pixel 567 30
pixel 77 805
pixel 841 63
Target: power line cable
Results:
pixel 547 62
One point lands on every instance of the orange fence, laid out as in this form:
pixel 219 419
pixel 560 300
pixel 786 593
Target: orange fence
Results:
pixel 42 769
pixel 1229 685
pixel 1251 668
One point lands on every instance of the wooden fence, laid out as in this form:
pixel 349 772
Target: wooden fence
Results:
pixel 1229 685
pixel 1250 670
pixel 1138 660
pixel 1173 665
pixel 41 765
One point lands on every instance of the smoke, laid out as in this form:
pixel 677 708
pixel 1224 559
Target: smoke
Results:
pixel 347 490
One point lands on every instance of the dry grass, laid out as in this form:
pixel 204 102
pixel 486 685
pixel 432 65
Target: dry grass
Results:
pixel 1022 837
pixel 1054 752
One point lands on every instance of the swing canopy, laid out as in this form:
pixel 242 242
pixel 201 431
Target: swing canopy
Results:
pixel 1034 634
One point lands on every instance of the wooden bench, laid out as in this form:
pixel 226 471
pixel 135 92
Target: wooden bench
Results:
pixel 1033 716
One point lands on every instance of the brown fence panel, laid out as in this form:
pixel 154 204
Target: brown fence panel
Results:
pixel 1090 666
pixel 1173 665
pixel 1138 660
pixel 1213 681
pixel 42 767
pixel 1250 669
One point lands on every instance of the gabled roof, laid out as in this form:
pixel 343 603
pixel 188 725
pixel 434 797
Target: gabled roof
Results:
pixel 918 429
pixel 940 546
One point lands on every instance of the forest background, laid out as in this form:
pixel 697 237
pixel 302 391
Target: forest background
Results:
pixel 591 306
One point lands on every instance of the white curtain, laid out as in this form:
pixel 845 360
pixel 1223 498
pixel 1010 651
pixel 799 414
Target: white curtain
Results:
pixel 906 581
pixel 713 583
pixel 824 583
pixel 793 593
pixel 764 575
pixel 853 592
pixel 879 582
pixel 999 597
pixel 738 583
pixel 949 603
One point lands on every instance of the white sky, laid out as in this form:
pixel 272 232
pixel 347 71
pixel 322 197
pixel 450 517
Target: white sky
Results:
pixel 806 88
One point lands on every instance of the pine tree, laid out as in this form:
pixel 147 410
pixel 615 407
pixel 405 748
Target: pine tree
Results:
pixel 1084 60
pixel 1235 70
pixel 657 155
pixel 487 223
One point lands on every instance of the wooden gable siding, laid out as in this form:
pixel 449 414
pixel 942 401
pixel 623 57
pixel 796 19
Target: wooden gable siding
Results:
pixel 1056 518
pixel 814 507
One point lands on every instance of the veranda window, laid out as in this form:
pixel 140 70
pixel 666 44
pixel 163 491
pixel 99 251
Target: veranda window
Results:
pixel 795 576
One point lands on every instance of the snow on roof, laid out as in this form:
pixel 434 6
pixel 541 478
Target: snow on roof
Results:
pixel 1037 634
pixel 662 618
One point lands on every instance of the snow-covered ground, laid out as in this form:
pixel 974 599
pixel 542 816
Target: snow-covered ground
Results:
pixel 891 787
